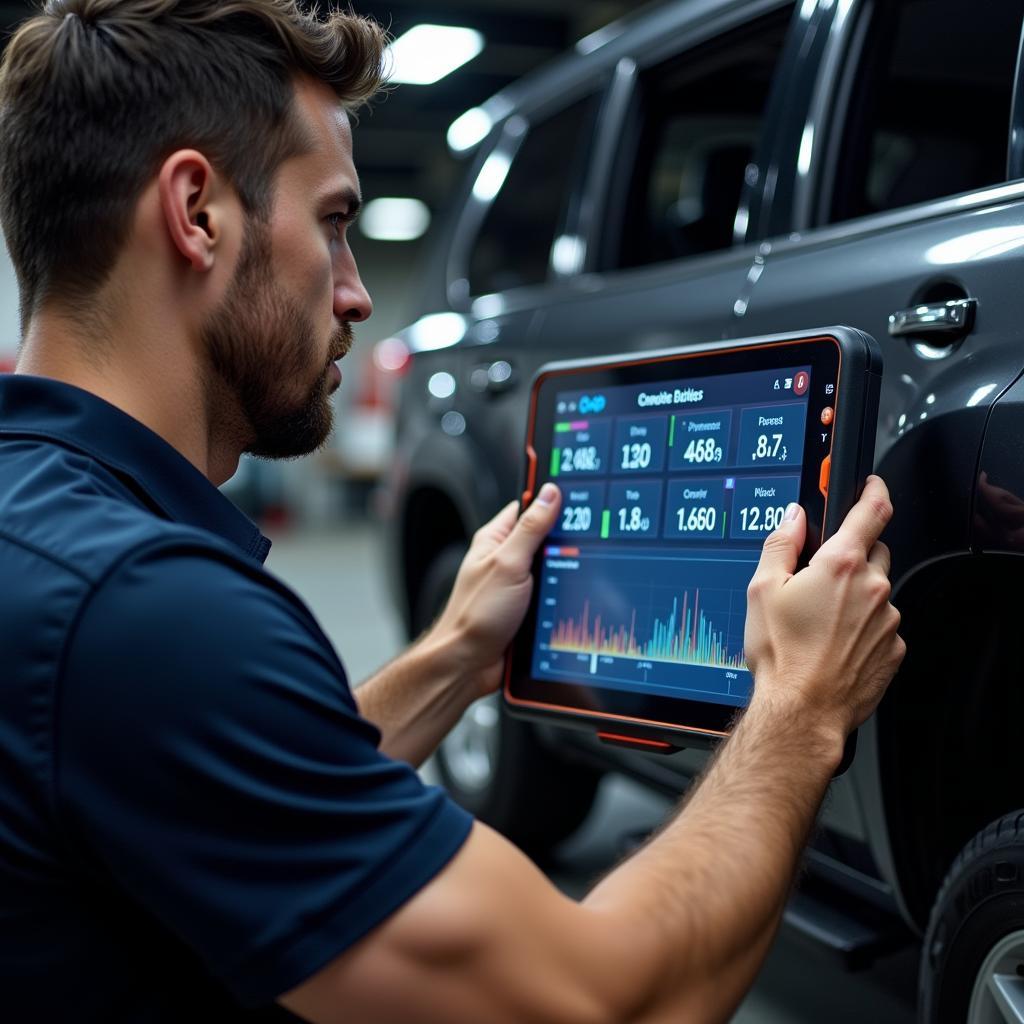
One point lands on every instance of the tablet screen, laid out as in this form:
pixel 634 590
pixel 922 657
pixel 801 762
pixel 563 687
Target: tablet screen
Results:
pixel 669 489
pixel 674 467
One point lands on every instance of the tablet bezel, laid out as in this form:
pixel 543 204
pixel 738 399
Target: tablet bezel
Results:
pixel 606 707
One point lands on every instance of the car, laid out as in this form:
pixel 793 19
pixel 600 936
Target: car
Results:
pixel 713 169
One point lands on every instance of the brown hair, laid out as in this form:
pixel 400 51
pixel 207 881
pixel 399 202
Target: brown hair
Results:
pixel 95 94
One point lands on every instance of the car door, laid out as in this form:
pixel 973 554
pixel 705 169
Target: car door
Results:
pixel 898 217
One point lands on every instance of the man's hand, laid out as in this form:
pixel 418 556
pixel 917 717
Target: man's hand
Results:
pixel 492 590
pixel 822 642
pixel 418 697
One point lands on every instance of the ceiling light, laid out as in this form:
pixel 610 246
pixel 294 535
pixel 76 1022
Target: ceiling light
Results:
pixel 426 53
pixel 394 220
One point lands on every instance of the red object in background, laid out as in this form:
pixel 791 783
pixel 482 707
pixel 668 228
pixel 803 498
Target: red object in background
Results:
pixel 392 356
pixel 6 366
pixel 374 391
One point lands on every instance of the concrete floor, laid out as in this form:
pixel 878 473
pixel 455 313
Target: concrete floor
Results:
pixel 339 574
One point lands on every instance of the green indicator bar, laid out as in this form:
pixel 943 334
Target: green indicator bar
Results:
pixel 563 428
pixel 725 516
pixel 671 431
pixel 606 523
pixel 554 462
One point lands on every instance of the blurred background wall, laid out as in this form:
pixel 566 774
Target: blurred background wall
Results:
pixel 9 331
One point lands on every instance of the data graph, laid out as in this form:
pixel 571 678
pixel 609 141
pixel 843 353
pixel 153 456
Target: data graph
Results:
pixel 656 623
pixel 686 637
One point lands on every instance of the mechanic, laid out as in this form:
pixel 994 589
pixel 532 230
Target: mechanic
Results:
pixel 198 819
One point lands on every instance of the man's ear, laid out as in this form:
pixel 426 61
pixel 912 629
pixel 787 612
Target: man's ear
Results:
pixel 188 187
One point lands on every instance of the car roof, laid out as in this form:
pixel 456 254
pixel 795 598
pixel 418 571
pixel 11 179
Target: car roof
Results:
pixel 643 34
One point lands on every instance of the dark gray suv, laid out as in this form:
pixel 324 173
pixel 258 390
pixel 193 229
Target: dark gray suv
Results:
pixel 715 169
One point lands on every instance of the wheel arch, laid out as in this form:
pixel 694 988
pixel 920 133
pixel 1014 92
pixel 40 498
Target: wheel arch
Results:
pixel 431 523
pixel 948 758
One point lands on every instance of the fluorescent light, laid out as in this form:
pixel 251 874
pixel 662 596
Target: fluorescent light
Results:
pixel 469 129
pixel 426 53
pixel 492 176
pixel 394 220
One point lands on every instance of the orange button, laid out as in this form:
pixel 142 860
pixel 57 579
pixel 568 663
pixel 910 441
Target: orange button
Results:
pixel 826 472
pixel 527 498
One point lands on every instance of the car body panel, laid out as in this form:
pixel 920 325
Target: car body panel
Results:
pixel 945 411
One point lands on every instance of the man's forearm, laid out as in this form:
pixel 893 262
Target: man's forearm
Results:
pixel 417 698
pixel 701 902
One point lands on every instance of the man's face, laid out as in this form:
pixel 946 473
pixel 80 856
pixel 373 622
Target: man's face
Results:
pixel 286 317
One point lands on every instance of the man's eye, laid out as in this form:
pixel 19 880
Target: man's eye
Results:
pixel 338 221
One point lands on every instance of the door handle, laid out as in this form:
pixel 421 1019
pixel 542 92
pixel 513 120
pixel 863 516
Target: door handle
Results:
pixel 950 319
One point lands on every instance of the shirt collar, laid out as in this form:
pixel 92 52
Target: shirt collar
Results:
pixel 50 409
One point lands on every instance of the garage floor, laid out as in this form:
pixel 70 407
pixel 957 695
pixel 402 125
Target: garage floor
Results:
pixel 340 576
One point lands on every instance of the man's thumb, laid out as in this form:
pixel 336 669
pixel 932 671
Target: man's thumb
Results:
pixel 784 544
pixel 534 524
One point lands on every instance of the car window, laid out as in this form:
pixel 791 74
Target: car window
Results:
pixel 700 118
pixel 513 247
pixel 929 114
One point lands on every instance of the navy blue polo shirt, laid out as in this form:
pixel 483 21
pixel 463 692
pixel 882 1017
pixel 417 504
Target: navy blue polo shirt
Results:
pixel 194 818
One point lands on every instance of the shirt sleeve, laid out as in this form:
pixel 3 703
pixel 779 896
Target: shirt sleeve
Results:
pixel 211 760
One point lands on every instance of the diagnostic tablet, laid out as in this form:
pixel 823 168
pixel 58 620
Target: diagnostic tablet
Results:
pixel 674 466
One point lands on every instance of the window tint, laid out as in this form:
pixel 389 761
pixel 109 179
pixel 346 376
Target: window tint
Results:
pixel 701 118
pixel 513 247
pixel 930 109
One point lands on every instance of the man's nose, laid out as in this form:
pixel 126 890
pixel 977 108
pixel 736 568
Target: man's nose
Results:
pixel 352 301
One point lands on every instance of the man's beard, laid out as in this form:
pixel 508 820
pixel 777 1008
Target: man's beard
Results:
pixel 259 342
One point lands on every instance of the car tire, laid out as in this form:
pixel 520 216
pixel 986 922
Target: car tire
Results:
pixel 494 765
pixel 972 962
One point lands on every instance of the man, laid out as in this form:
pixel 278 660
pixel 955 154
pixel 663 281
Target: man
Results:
pixel 197 821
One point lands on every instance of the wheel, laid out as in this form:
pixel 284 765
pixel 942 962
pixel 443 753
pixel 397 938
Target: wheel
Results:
pixel 494 765
pixel 972 962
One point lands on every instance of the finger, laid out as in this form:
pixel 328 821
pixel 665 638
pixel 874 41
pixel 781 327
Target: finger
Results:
pixel 880 556
pixel 494 532
pixel 865 522
pixel 533 526
pixel 783 546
